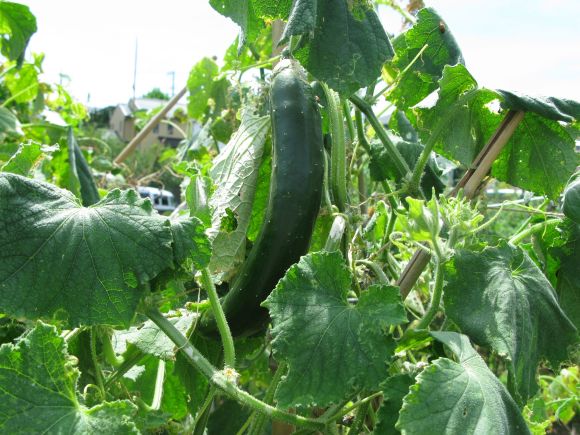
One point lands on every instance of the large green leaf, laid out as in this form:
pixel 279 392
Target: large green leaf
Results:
pixel 501 299
pixel 28 157
pixel 85 264
pixel 17 25
pixel 348 46
pixel 421 77
pixel 461 121
pixel 557 109
pixel 460 398
pixel 38 381
pixel 539 157
pixel 332 347
pixel 234 172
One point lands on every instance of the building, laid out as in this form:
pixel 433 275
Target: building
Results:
pixel 122 121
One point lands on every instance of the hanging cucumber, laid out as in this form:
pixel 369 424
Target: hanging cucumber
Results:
pixel 293 203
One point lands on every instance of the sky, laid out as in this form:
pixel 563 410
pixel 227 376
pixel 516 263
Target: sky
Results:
pixel 529 46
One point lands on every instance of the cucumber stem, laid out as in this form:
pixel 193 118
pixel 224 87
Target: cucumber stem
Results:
pixel 220 378
pixel 259 420
pixel 435 298
pixel 392 150
pixel 222 324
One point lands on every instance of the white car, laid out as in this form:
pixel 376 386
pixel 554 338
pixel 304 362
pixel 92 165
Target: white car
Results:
pixel 162 200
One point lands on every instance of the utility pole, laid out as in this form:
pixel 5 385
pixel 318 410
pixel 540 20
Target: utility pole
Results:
pixel 135 70
pixel 172 74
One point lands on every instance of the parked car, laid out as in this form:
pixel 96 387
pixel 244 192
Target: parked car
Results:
pixel 162 200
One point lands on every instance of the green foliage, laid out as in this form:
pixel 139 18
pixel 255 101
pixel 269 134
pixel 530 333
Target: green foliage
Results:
pixel 331 347
pixel 341 334
pixel 38 380
pixel 27 158
pixel 346 61
pixel 17 25
pixel 416 77
pixel 459 397
pixel 157 94
pixel 510 306
pixel 112 249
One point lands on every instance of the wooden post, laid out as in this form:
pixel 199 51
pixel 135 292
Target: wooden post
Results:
pixel 149 126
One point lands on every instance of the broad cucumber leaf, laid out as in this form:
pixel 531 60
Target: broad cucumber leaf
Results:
pixel 235 172
pixel 461 119
pixel 27 158
pixel 85 264
pixel 460 398
pixel 348 45
pixel 8 121
pixel 501 299
pixel 539 157
pixel 17 25
pixel 38 383
pixel 332 348
pixel 422 75
pixel 557 109
pixel 149 339
pixel 394 390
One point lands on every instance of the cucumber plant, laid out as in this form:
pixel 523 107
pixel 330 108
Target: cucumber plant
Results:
pixel 342 261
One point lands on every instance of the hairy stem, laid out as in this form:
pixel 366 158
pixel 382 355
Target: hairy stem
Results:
pixel 220 318
pixel 260 420
pixel 96 365
pixel 220 378
pixel 435 298
pixel 376 269
pixel 532 230
pixel 394 153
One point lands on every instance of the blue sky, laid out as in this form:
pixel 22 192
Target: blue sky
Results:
pixel 531 46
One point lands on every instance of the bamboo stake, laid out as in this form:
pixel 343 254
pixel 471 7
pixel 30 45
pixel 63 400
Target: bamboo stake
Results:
pixel 470 183
pixel 148 127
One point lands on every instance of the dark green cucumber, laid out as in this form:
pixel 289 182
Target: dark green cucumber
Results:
pixel 293 203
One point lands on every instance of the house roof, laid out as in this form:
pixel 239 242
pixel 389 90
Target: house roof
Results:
pixel 125 110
